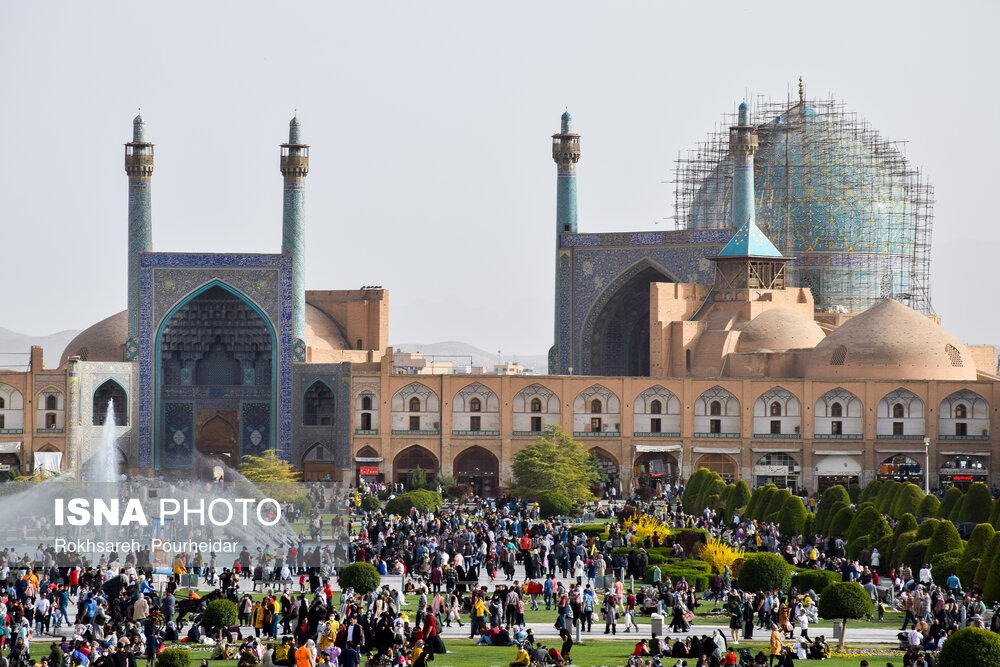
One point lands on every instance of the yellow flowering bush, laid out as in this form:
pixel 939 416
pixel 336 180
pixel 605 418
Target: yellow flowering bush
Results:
pixel 719 554
pixel 644 526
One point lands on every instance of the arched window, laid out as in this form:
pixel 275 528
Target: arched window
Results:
pixel 961 412
pixel 898 411
pixel 366 421
pixel 51 402
pixel 836 410
pixel 2 403
pixel 775 409
pixel 595 406
pixel 655 408
pixel 107 392
pixel 366 402
pixel 475 405
pixel 715 408
pixel 414 404
pixel 536 405
pixel 317 409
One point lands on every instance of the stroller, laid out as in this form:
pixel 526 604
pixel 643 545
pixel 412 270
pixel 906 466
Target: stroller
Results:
pixel 746 658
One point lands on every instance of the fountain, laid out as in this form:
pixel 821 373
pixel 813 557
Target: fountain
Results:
pixel 103 465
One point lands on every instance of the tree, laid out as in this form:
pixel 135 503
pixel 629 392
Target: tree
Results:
pixel 554 465
pixel 951 497
pixel 845 600
pixel 361 576
pixel 792 516
pixel 738 498
pixel 764 571
pixel 944 539
pixel 928 506
pixel 970 646
pixel 834 494
pixel 908 501
pixel 594 464
pixel 978 504
pixel 272 475
pixel 371 504
pixel 416 480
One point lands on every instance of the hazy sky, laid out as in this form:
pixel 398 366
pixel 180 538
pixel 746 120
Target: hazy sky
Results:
pixel 429 123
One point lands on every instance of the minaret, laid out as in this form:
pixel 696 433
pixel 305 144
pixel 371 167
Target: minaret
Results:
pixel 139 167
pixel 566 153
pixel 294 167
pixel 742 146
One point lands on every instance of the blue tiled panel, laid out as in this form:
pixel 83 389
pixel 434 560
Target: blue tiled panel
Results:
pixel 178 434
pixel 255 428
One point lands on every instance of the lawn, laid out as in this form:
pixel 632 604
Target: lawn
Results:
pixel 595 653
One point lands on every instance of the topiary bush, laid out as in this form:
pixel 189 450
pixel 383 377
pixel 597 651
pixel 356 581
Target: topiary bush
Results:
pixel 693 488
pixel 220 614
pixel 759 501
pixel 775 503
pixel 854 492
pixel 738 498
pixel 555 504
pixel 764 572
pixel 845 600
pixel 837 506
pixel 870 491
pixel 951 496
pixel 991 589
pixel 968 647
pixel 834 494
pixel 792 516
pixel 978 541
pixel 814 580
pixel 908 501
pixel 986 560
pixel 945 539
pixel 887 495
pixel 928 506
pixel 174 657
pixel 944 565
pixel 957 510
pixel 841 522
pixel 361 576
pixel 978 504
pixel 913 554
pixel 927 528
pixel 371 504
pixel 422 499
pixel 810 527
pixel 862 522
pixel 995 514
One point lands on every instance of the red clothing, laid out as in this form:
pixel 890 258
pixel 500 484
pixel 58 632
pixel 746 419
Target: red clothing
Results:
pixel 430 626
pixel 730 659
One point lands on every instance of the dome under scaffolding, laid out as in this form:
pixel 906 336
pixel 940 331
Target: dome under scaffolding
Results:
pixel 840 201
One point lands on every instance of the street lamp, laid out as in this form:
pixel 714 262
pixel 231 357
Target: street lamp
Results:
pixel 927 458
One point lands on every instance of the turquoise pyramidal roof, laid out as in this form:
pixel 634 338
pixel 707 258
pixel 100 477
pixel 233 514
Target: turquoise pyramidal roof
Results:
pixel 749 241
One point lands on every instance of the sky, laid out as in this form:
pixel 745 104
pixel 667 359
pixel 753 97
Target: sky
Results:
pixel 430 124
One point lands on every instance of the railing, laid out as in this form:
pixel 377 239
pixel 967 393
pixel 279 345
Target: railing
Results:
pixel 964 437
pixel 898 436
pixel 778 436
pixel 716 435
pixel 838 436
pixel 475 433
pixel 527 434
pixel 409 432
pixel 655 434
pixel 597 434
pixel 50 430
pixel 11 431
pixel 366 431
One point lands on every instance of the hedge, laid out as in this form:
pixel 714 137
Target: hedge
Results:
pixel 764 571
pixel 908 501
pixel 420 498
pixel 792 516
pixel 840 522
pixel 814 580
pixel 371 504
pixel 589 529
pixel 220 614
pixel 970 646
pixel 914 552
pixel 978 504
pixel 928 506
pixel 174 657
pixel 945 539
pixel 361 576
pixel 951 497
pixel 834 494
pixel 987 559
pixel 927 528
pixel 978 541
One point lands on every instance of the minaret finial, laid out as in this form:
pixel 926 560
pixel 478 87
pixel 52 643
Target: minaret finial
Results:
pixel 802 91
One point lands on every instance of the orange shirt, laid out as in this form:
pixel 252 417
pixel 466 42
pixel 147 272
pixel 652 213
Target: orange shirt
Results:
pixel 303 657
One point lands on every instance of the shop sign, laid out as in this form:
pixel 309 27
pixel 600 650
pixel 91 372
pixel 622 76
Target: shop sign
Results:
pixel 369 470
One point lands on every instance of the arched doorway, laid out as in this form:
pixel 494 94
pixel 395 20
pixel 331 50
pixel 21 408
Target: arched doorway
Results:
pixel 963 470
pixel 412 458
pixel 901 468
pixel 778 468
pixel 368 466
pixel 317 405
pixel 653 467
pixel 609 465
pixel 478 468
pixel 318 464
pixel 619 328
pixel 723 464
pixel 215 366
pixel 109 391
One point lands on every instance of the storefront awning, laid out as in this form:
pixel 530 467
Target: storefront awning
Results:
pixel 837 465
pixel 649 449
pixel 716 450
pixel 369 459
pixel 966 453
pixel 838 452
pixel 777 450
pixel 10 447
pixel 899 450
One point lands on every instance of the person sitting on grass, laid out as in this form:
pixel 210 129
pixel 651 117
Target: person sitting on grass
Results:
pixel 521 658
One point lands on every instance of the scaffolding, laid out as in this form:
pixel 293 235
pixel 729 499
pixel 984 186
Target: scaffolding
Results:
pixel 832 194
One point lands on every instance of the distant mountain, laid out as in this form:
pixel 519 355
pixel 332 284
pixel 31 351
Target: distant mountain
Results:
pixel 15 348
pixel 459 353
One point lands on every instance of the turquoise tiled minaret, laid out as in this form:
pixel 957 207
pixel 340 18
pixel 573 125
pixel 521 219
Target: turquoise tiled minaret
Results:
pixel 139 167
pixel 294 167
pixel 566 153
pixel 742 146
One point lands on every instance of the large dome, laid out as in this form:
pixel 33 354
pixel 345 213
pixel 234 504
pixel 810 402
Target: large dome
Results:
pixel 891 341
pixel 105 341
pixel 777 330
pixel 832 195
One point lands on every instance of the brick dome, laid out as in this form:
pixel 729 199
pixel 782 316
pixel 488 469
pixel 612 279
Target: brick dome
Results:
pixel 779 329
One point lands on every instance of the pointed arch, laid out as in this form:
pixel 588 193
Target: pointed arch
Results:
pixel 838 414
pixel 110 390
pixel 964 415
pixel 777 413
pixel 479 468
pixel 412 458
pixel 318 404
pixel 900 414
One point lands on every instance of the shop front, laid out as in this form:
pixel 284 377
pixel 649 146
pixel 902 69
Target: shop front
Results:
pixel 778 468
pixel 368 467
pixel 901 468
pixel 963 470
pixel 837 467
pixel 656 464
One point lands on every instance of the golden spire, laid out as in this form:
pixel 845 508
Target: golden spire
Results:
pixel 802 91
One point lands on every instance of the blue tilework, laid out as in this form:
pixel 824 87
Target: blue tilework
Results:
pixel 140 239
pixel 293 243
pixel 255 428
pixel 178 435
